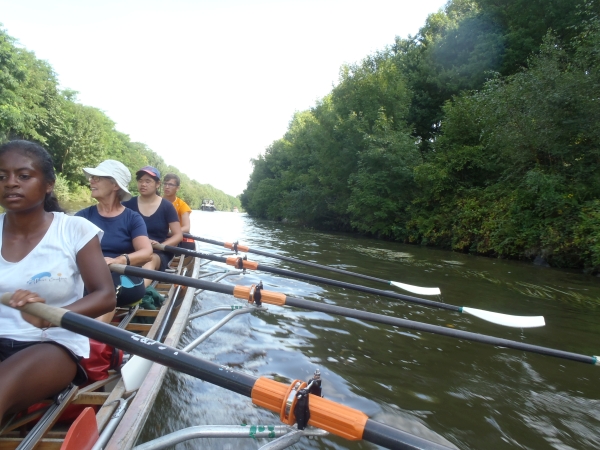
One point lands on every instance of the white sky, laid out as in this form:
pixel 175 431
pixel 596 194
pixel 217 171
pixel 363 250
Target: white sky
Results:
pixel 207 84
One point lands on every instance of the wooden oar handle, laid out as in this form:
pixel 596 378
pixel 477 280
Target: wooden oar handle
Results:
pixel 51 314
pixel 158 247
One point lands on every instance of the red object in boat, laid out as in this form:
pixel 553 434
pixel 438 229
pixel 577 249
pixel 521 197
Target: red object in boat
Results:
pixel 83 434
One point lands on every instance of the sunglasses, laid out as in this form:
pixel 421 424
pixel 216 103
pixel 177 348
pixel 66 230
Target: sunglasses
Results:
pixel 96 178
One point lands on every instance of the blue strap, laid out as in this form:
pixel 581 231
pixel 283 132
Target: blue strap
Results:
pixel 127 283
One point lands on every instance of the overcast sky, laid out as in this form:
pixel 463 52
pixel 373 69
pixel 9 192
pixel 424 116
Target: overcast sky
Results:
pixel 208 85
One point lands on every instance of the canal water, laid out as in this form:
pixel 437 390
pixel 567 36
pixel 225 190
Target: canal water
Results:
pixel 461 393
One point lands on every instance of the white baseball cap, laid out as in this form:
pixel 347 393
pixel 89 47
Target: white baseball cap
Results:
pixel 115 170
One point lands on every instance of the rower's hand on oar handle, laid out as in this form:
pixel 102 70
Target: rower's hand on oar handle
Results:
pixel 51 315
pixel 20 299
pixel 157 245
pixel 118 260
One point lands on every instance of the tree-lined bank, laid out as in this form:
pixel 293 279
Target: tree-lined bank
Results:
pixel 33 107
pixel 480 134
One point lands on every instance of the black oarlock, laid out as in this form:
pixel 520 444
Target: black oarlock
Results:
pixel 239 263
pixel 314 384
pixel 301 410
pixel 257 294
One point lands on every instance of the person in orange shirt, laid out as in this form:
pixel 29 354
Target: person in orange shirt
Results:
pixel 171 184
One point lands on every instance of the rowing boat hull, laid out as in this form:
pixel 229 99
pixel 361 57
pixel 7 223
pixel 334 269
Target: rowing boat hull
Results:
pixel 130 427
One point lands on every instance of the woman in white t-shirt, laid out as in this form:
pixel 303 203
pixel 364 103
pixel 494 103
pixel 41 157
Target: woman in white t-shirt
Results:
pixel 45 256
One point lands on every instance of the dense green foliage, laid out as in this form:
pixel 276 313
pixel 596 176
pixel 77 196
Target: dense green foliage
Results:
pixel 32 107
pixel 480 134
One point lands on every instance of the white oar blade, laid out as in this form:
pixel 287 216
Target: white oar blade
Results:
pixel 416 289
pixel 506 319
pixel 134 372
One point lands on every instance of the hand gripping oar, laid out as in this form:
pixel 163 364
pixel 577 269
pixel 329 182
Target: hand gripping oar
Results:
pixel 277 298
pixel 238 262
pixel 235 246
pixel 338 419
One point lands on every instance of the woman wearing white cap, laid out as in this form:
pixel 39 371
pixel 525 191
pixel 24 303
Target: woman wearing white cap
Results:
pixel 125 238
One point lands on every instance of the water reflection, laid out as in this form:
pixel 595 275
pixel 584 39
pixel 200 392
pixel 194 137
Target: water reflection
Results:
pixel 473 395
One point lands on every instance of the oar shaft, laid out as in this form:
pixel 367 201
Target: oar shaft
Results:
pixel 157 352
pixel 146 348
pixel 436 329
pixel 358 287
pixel 302 276
pixel 172 278
pixel 318 266
pixel 290 259
pixel 241 292
pixel 201 239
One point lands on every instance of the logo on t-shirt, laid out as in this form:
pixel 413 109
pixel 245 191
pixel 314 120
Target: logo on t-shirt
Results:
pixel 45 276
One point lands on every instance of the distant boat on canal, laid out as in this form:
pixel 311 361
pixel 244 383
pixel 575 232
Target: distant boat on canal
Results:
pixel 208 205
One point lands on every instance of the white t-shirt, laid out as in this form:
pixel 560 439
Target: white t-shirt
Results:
pixel 50 270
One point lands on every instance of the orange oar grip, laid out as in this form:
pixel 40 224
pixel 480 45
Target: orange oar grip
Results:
pixel 241 248
pixel 330 416
pixel 272 298
pixel 232 261
pixel 242 292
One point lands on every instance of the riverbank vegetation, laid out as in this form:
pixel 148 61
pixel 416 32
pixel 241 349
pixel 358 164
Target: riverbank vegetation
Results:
pixel 33 107
pixel 479 134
